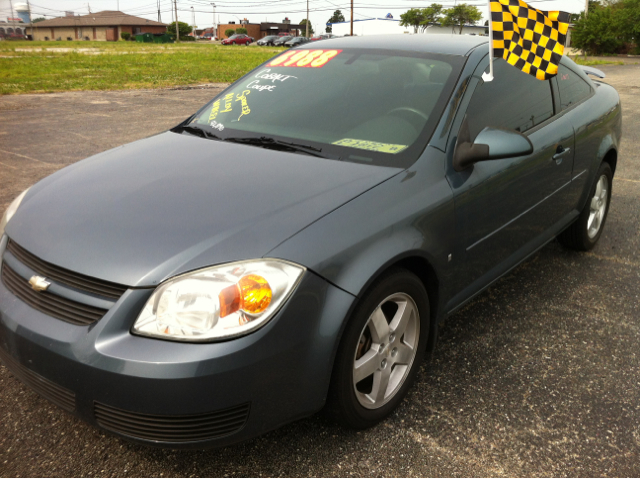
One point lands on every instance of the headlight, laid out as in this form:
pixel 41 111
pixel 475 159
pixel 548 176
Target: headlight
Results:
pixel 219 302
pixel 11 210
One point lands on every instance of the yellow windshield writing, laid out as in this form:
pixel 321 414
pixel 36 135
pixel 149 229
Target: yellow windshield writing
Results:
pixel 228 100
pixel 245 107
pixel 214 110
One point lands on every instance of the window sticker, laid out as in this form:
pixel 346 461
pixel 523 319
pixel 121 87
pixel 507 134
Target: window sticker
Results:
pixel 370 145
pixel 304 58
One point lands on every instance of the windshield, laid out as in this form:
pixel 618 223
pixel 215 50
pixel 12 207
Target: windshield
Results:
pixel 370 106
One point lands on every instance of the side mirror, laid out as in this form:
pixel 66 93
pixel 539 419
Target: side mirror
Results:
pixel 490 144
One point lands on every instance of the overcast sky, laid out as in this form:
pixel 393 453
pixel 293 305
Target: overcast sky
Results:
pixel 255 11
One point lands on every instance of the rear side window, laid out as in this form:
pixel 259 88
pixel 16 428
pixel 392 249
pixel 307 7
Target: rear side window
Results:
pixel 513 100
pixel 573 89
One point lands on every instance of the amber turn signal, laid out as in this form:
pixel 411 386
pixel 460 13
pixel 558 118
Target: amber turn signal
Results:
pixel 255 292
pixel 251 294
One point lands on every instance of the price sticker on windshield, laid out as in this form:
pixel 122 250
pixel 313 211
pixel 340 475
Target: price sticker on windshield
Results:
pixel 370 145
pixel 305 58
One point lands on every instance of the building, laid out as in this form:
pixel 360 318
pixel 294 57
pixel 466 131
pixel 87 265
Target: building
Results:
pixel 261 30
pixel 105 26
pixel 13 28
pixel 379 26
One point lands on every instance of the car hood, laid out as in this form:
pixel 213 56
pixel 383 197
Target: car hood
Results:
pixel 172 203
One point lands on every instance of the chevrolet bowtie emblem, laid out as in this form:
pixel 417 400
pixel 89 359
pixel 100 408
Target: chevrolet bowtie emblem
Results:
pixel 39 283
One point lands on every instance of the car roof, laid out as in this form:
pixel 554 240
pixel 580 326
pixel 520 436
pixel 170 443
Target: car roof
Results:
pixel 434 43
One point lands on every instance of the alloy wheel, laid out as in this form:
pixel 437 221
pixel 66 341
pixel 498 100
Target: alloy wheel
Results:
pixel 386 350
pixel 598 207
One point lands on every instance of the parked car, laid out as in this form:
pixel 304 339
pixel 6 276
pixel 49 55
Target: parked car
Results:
pixel 268 40
pixel 281 41
pixel 296 41
pixel 323 36
pixel 207 284
pixel 238 39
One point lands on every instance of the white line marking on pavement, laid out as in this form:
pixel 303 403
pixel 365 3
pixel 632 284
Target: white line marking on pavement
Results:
pixel 24 156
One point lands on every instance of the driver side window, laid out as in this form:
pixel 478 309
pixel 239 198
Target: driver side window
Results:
pixel 513 100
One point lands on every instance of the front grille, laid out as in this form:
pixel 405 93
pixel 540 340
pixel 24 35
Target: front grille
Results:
pixel 56 394
pixel 193 428
pixel 50 304
pixel 78 281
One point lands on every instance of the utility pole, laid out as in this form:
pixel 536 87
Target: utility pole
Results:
pixel 159 18
pixel 307 35
pixel 118 5
pixel 11 5
pixel 351 17
pixel 193 20
pixel 214 34
pixel 30 18
pixel 177 31
pixel 586 10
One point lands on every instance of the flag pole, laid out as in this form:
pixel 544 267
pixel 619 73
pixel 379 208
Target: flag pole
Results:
pixel 489 76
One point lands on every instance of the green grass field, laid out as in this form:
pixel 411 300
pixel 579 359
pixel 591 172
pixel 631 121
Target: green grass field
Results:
pixel 591 62
pixel 36 67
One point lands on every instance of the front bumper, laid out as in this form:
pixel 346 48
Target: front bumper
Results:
pixel 179 394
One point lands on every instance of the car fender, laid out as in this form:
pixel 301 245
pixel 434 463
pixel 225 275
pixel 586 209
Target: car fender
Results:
pixel 606 125
pixel 410 215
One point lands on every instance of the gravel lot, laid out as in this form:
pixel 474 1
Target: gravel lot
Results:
pixel 539 376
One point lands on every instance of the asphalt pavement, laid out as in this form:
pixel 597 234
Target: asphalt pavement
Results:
pixel 539 376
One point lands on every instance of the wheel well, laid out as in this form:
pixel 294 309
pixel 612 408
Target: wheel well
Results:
pixel 423 270
pixel 427 275
pixel 612 158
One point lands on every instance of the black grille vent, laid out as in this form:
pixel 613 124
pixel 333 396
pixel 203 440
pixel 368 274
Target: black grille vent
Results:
pixel 56 394
pixel 61 275
pixel 50 304
pixel 193 428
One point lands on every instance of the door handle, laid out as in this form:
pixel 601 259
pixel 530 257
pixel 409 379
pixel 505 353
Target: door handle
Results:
pixel 560 153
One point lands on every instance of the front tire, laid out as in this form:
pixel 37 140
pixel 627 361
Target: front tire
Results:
pixel 585 232
pixel 381 351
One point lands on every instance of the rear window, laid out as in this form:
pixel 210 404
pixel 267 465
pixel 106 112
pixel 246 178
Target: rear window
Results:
pixel 372 106
pixel 573 89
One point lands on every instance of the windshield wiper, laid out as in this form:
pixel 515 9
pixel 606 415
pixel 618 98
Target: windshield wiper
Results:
pixel 267 142
pixel 196 130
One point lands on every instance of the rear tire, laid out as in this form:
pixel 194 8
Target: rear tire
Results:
pixel 380 352
pixel 585 232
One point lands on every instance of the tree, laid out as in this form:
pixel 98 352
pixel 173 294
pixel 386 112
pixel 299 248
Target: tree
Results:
pixel 627 21
pixel 303 28
pixel 608 28
pixel 241 30
pixel 412 18
pixel 432 14
pixel 184 29
pixel 335 18
pixel 421 18
pixel 39 19
pixel 228 32
pixel 460 15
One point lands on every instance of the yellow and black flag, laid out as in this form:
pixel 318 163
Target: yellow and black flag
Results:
pixel 529 39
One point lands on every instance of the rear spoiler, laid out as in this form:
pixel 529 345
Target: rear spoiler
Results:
pixel 593 71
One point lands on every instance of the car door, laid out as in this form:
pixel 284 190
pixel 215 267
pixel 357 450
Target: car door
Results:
pixel 505 208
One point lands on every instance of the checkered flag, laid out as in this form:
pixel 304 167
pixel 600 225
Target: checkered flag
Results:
pixel 527 38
